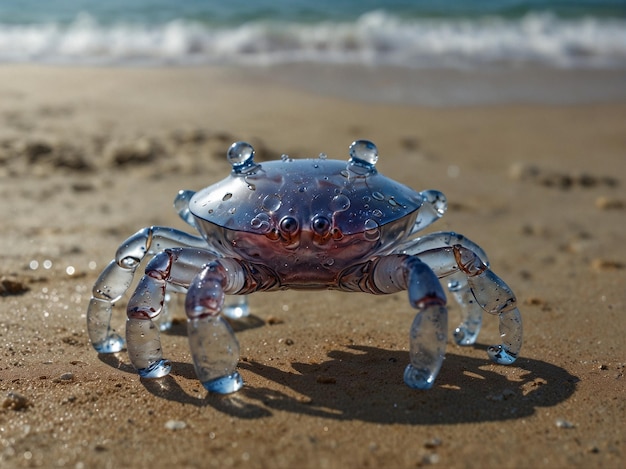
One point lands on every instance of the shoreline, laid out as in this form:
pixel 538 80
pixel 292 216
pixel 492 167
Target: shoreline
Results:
pixel 423 87
pixel 454 87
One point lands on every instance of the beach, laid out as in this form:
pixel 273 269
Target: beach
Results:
pixel 89 155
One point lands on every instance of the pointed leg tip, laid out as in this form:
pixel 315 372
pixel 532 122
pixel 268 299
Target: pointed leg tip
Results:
pixel 500 355
pixel 418 378
pixel 111 344
pixel 158 369
pixel 224 384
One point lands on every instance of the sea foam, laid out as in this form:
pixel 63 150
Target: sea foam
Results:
pixel 375 38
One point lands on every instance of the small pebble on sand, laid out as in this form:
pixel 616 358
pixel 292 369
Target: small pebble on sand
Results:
pixel 16 401
pixel 562 423
pixel 175 425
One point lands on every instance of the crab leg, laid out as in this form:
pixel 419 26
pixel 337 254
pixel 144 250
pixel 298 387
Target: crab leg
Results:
pixel 429 330
pixel 214 347
pixel 176 267
pixel 118 276
pixel 471 312
pixel 428 334
pixel 488 290
pixel 467 331
pixel 441 239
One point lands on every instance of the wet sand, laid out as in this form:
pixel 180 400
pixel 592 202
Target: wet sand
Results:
pixel 89 156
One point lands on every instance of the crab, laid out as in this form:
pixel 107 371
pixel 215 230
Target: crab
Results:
pixel 299 224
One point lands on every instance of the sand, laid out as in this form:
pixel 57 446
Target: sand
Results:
pixel 89 156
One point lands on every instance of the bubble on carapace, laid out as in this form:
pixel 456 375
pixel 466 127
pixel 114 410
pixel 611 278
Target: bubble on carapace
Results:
pixel 271 203
pixel 339 203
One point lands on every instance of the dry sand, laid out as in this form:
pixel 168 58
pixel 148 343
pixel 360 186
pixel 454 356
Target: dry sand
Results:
pixel 88 156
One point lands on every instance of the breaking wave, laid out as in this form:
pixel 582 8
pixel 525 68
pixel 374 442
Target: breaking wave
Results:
pixel 375 38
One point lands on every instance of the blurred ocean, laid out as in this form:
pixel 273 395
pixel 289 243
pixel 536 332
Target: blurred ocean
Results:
pixel 402 33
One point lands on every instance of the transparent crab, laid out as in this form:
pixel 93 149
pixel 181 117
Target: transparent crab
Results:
pixel 299 224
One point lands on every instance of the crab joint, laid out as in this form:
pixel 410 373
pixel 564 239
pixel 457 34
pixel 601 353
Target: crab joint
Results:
pixel 468 261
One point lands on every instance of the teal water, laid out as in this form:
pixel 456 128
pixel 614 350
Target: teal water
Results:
pixel 232 12
pixel 413 34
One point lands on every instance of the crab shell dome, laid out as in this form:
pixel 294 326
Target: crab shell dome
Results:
pixel 329 198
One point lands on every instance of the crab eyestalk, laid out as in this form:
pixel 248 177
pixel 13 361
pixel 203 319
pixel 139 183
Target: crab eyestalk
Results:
pixel 241 157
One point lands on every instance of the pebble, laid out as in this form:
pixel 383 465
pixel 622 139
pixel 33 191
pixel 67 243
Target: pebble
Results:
pixel 64 378
pixel 175 425
pixel 606 264
pixel 562 423
pixel 428 459
pixel 609 203
pixel 16 401
pixel 432 443
pixel 12 286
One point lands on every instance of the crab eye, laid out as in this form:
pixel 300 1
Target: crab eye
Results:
pixel 289 225
pixel 364 152
pixel 240 155
pixel 321 225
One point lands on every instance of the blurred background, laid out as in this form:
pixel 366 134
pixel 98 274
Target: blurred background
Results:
pixel 413 34
pixel 341 47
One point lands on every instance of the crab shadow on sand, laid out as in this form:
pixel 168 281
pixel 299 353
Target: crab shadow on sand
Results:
pixel 365 383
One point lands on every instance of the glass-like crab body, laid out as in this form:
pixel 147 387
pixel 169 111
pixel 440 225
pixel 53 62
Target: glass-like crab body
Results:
pixel 300 224
pixel 308 219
